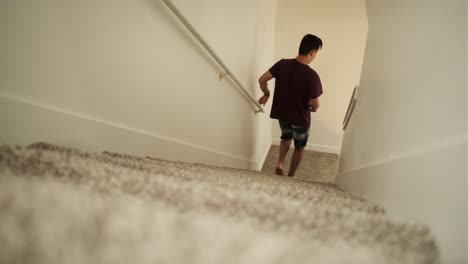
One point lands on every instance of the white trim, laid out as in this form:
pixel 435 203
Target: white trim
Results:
pixel 76 115
pixel 257 166
pixel 463 139
pixel 422 186
pixel 314 147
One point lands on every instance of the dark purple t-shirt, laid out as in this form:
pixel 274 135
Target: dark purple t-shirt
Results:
pixel 295 85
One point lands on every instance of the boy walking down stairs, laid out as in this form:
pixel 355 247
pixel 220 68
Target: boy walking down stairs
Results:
pixel 62 205
pixel 297 92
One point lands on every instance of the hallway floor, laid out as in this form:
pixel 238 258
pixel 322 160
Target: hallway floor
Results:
pixel 315 166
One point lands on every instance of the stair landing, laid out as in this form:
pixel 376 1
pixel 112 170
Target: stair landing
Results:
pixel 315 166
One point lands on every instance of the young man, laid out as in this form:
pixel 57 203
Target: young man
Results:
pixel 297 91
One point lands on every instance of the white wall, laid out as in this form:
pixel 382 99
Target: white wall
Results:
pixel 125 76
pixel 342 25
pixel 466 120
pixel 405 146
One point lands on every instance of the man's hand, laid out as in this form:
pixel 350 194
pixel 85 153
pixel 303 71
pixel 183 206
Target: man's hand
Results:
pixel 314 104
pixel 263 81
pixel 263 99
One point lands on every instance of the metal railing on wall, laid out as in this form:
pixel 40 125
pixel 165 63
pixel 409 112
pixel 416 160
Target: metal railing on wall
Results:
pixel 351 106
pixel 227 71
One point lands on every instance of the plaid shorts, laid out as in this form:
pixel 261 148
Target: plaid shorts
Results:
pixel 299 134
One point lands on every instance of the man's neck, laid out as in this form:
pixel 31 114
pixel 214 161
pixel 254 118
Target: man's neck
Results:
pixel 302 59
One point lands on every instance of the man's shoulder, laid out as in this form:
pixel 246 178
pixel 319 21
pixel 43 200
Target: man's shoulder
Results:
pixel 285 61
pixel 312 72
pixel 282 66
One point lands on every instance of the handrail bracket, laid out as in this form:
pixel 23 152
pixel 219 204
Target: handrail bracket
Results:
pixel 225 69
pixel 222 75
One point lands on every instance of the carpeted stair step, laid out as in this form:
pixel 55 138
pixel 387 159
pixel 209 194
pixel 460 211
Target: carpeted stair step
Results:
pixel 313 217
pixel 45 221
pixel 247 181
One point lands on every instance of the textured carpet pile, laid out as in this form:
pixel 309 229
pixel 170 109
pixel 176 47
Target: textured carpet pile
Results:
pixel 62 205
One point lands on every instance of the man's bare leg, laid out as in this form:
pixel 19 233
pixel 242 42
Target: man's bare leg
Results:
pixel 284 147
pixel 295 160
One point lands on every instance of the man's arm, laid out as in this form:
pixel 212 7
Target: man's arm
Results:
pixel 314 104
pixel 263 81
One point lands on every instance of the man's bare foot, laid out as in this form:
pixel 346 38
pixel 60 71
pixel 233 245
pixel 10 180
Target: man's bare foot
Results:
pixel 279 171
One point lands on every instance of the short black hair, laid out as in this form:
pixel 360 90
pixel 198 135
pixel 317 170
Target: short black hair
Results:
pixel 309 43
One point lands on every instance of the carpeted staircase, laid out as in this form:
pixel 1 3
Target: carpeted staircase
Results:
pixel 62 205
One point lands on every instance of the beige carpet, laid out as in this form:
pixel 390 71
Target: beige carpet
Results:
pixel 315 166
pixel 60 205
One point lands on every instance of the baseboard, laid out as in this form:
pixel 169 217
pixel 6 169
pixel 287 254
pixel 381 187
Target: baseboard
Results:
pixel 314 147
pixel 427 186
pixel 25 122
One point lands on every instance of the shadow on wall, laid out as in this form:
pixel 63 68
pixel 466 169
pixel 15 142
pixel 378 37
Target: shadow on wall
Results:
pixel 126 77
pixel 249 125
pixel 322 135
pixel 162 10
